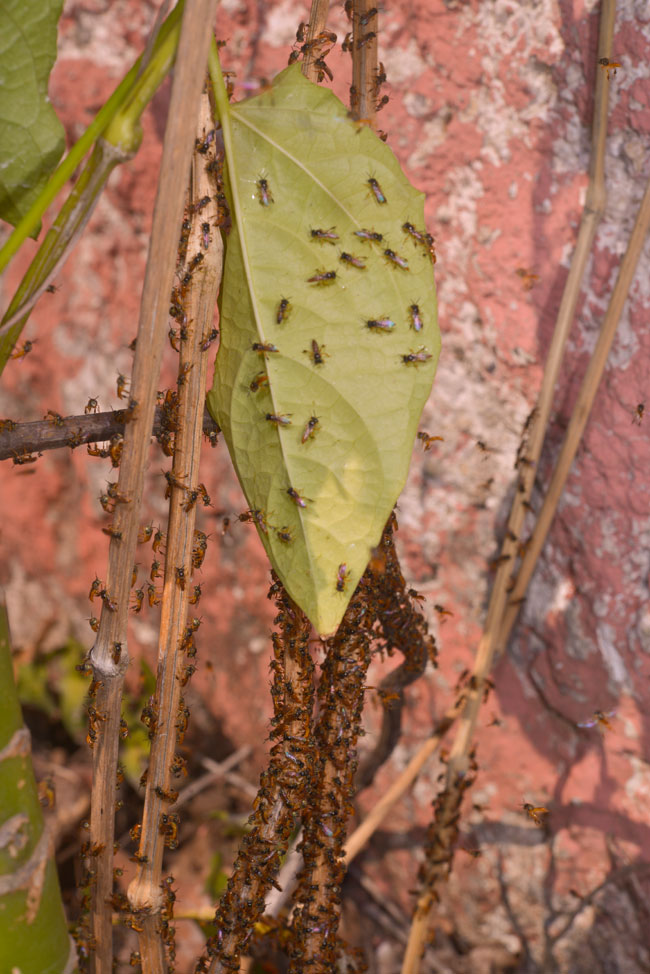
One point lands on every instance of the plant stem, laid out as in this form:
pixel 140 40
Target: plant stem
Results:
pixel 109 655
pixel 121 140
pixel 145 896
pixel 73 431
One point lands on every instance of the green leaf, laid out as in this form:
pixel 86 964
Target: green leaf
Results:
pixel 297 163
pixel 31 136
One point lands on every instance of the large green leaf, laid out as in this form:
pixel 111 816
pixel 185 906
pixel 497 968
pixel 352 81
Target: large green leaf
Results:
pixel 31 136
pixel 315 165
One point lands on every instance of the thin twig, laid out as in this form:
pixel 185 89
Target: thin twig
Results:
pixel 159 823
pixel 580 413
pixel 317 23
pixel 109 655
pixel 21 439
pixel 365 30
pixel 402 783
pixel 458 762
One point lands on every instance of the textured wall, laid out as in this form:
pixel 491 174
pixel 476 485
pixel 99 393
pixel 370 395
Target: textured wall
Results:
pixel 489 113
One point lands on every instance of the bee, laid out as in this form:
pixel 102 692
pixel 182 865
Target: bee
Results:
pixel 138 599
pixel 265 196
pixel 155 570
pixel 181 578
pixel 194 263
pixel 416 358
pixel 377 563
pixel 322 278
pixel 411 231
pixel 22 350
pixel 325 236
pixel 416 317
pixel 208 339
pixel 284 535
pixel 342 576
pixel 257 516
pixel 395 259
pixel 301 33
pixel 442 612
pixel 145 533
pixel 380 324
pixel 52 288
pixel 152 596
pixel 608 65
pixel 263 347
pixel 382 102
pixel 367 17
pixel 369 235
pixel 116 652
pixel 354 261
pixel 110 603
pixel 56 419
pixel 260 379
pixel 365 40
pixel 183 374
pixel 310 429
pixel 374 185
pixel 7 425
pixel 205 235
pixel 46 793
pixel 158 539
pixel 279 419
pixel 20 459
pixel 599 719
pixel 93 622
pixel 323 69
pixel 534 812
pixel 428 440
pixel 195 596
pixel 639 412
pixel 121 385
pixel 95 588
pixel 296 498
pixel 528 279
pixel 166 796
pixel 317 352
pixel 201 204
pixel 283 312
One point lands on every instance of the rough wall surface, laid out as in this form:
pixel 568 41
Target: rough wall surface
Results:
pixel 489 113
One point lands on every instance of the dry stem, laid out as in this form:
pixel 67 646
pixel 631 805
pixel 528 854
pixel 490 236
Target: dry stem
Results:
pixel 145 892
pixel 73 431
pixel 459 757
pixel 109 655
pixel 317 23
pixel 363 93
pixel 580 414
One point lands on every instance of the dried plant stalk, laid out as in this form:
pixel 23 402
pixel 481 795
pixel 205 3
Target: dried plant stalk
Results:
pixel 317 23
pixel 315 945
pixel 580 414
pixel 167 723
pixel 459 759
pixel 284 789
pixel 20 439
pixel 439 852
pixel 109 655
pixel 363 93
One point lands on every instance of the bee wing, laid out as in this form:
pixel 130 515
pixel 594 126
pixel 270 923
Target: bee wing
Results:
pixel 587 723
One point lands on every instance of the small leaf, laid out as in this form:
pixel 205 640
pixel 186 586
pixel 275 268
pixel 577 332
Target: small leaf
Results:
pixel 321 430
pixel 31 136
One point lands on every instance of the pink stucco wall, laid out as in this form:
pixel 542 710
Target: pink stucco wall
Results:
pixel 489 114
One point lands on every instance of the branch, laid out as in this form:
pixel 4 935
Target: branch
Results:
pixel 19 440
